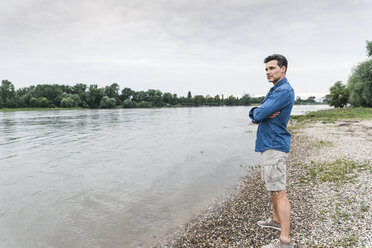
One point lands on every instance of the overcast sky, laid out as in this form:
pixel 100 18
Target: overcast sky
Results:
pixel 205 46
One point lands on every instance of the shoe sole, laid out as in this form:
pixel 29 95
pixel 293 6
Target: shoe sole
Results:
pixel 272 227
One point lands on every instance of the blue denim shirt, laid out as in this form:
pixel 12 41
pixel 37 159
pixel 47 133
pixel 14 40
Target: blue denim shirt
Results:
pixel 273 133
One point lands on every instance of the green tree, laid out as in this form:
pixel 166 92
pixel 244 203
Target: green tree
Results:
pixel 107 102
pixel 338 96
pixel 126 93
pixel 8 96
pixel 80 90
pixel 183 100
pixel 70 100
pixel 257 100
pixel 360 85
pixel 170 99
pixel 360 82
pixel 187 101
pixel 298 100
pixel 40 102
pixel 144 104
pixel 94 96
pixel 65 88
pixel 231 100
pixel 128 103
pixel 25 100
pixel 112 91
pixel 167 98
pixel 139 96
pixel 67 102
pixel 310 99
pixel 77 99
pixel 217 100
pixel 155 97
pixel 199 100
pixel 135 96
pixel 26 90
pixel 369 48
pixel 52 92
pixel 209 101
pixel 245 100
pixel 175 99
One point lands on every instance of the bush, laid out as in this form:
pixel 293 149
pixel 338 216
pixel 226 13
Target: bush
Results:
pixel 25 100
pixel 67 102
pixel 11 103
pixel 144 104
pixel 107 102
pixel 128 104
pixel 40 102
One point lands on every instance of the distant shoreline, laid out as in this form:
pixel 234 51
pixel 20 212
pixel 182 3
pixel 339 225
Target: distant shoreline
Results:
pixel 120 107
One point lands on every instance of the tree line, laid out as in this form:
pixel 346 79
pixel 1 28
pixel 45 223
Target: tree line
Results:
pixel 92 96
pixel 84 96
pixel 358 90
pixel 309 100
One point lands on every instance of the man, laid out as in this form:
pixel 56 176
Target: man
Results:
pixel 273 141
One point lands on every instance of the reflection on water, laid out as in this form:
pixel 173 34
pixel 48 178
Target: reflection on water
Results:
pixel 110 178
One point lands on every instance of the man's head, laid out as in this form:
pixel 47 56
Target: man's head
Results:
pixel 276 68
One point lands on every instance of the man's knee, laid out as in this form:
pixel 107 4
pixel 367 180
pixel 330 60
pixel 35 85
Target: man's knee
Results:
pixel 278 194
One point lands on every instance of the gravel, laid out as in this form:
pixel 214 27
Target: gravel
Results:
pixel 323 213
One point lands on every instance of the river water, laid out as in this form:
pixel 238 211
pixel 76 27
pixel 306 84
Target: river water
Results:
pixel 116 178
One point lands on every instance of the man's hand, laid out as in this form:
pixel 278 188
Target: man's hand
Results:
pixel 274 115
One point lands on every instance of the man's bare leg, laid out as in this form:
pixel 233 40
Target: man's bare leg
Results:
pixel 282 210
pixel 275 214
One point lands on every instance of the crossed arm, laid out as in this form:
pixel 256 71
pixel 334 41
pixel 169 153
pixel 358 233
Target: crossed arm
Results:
pixel 270 108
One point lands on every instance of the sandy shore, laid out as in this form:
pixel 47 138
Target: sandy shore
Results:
pixel 329 187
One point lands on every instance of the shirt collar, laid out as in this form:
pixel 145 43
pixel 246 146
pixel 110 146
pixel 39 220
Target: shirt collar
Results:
pixel 281 82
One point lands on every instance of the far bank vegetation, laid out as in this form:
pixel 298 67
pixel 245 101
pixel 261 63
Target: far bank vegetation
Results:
pixel 84 96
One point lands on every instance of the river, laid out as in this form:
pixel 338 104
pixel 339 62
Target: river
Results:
pixel 116 178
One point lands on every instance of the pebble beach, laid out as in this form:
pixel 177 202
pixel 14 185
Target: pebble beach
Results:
pixel 329 185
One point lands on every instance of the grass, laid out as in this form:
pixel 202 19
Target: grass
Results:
pixel 320 144
pixel 339 215
pixel 335 114
pixel 298 122
pixel 338 172
pixel 329 116
pixel 351 241
pixel 365 208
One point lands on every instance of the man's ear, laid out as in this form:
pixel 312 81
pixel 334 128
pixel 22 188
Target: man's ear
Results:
pixel 283 69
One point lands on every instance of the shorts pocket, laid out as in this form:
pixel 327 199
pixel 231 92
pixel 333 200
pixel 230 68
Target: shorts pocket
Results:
pixel 273 173
pixel 274 169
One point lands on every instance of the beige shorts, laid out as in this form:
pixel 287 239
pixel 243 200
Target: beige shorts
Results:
pixel 273 165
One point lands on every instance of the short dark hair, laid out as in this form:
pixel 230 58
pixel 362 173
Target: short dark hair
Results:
pixel 282 61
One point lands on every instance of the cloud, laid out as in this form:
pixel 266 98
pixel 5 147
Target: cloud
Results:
pixel 204 45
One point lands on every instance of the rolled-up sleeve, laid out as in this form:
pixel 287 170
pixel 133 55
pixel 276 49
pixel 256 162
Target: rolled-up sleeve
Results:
pixel 251 115
pixel 275 102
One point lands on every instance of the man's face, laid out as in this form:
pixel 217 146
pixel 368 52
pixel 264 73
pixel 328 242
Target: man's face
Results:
pixel 273 72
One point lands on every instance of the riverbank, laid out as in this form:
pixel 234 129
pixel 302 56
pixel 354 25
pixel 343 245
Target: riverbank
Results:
pixel 37 109
pixel 153 107
pixel 329 187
